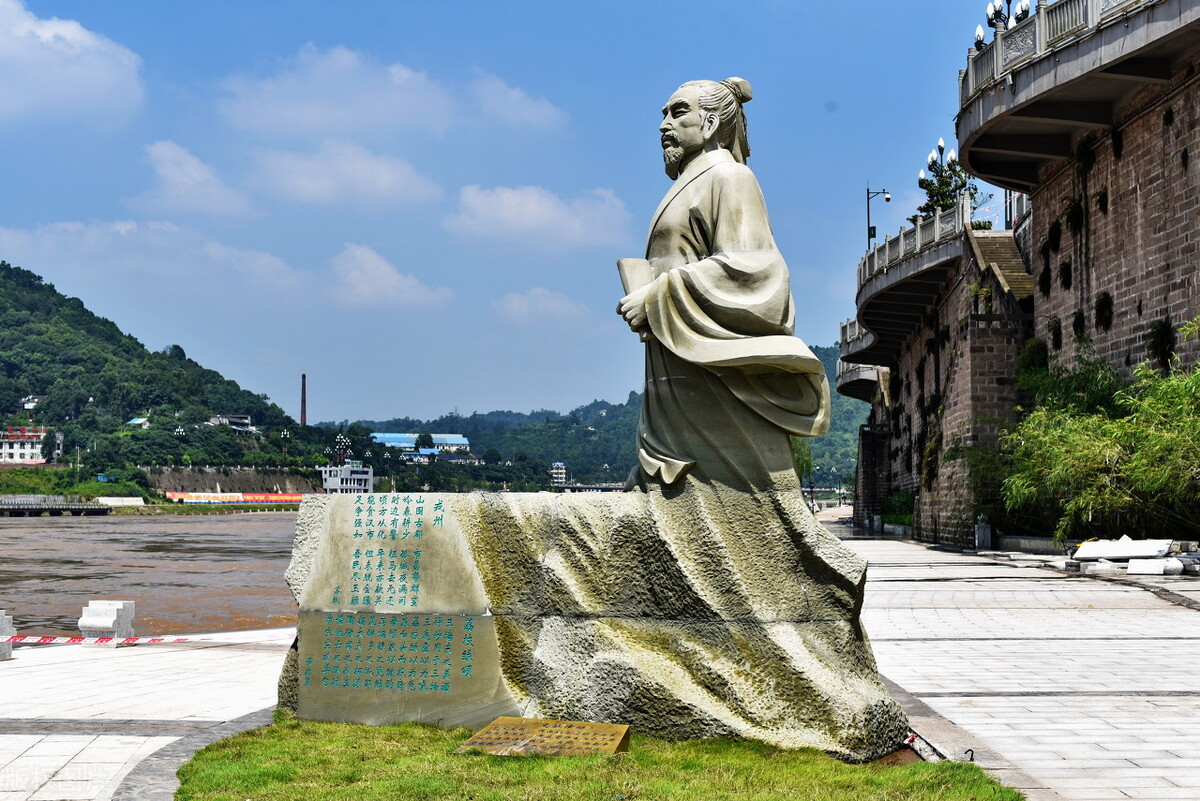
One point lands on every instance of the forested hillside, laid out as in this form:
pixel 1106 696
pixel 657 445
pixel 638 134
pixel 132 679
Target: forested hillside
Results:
pixel 836 453
pixel 94 378
pixel 596 441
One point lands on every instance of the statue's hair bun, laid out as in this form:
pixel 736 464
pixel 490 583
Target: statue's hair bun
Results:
pixel 741 89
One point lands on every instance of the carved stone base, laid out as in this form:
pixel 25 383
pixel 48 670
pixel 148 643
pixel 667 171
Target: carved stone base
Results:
pixel 696 612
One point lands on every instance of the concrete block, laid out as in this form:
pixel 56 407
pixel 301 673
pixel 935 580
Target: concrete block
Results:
pixel 6 630
pixel 1124 548
pixel 1102 566
pixel 1146 567
pixel 107 619
pixel 983 536
pixel 1155 567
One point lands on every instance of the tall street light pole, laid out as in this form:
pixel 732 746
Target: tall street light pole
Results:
pixel 887 198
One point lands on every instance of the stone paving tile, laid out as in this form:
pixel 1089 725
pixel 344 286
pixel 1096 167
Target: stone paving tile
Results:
pixel 26 774
pixel 12 746
pixel 56 790
pixel 246 684
pixel 91 773
pixel 1090 687
pixel 77 771
pixel 138 685
pixel 49 747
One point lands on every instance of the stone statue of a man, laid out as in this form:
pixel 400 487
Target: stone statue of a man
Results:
pixel 726 380
pixel 712 604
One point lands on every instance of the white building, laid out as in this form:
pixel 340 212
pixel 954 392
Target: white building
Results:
pixel 22 444
pixel 351 477
pixel 443 443
pixel 558 473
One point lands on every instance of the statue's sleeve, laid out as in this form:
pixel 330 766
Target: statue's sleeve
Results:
pixel 731 311
pixel 742 288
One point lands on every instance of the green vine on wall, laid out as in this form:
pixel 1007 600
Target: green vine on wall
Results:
pixel 1104 311
pixel 1160 341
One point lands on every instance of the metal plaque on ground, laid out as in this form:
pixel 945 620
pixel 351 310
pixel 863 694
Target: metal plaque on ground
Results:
pixel 507 736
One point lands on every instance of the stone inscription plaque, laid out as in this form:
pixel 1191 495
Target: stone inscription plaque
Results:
pixel 394 624
pixel 507 736
pixel 382 668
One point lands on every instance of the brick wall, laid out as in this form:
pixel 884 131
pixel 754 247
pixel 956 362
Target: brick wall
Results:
pixel 1127 214
pixel 950 390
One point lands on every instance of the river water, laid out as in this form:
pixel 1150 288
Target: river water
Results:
pixel 187 573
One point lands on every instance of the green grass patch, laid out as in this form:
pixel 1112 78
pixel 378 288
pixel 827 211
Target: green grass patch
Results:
pixel 342 762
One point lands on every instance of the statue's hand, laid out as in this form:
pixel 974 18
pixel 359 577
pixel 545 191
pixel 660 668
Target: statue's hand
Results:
pixel 633 308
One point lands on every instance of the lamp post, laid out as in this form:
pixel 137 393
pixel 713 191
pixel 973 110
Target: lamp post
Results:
pixel 812 489
pixel 945 183
pixel 871 193
pixel 1002 18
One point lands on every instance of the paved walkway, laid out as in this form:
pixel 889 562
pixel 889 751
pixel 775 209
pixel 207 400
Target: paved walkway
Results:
pixel 75 721
pixel 1067 687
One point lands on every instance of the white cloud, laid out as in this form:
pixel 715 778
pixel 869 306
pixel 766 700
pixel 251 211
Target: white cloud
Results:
pixel 334 93
pixel 128 250
pixel 538 218
pixel 343 172
pixel 512 106
pixel 538 307
pixel 248 313
pixel 143 267
pixel 362 277
pixel 58 68
pixel 186 184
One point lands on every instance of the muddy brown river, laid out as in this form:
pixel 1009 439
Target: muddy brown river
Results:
pixel 188 573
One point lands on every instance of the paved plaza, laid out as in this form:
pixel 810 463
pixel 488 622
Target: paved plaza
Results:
pixel 1070 687
pixel 1067 687
pixel 76 721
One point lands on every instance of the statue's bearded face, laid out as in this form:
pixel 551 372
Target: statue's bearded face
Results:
pixel 682 129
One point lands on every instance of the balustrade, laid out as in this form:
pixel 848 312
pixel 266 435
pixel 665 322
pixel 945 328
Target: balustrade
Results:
pixel 1054 25
pixel 1065 18
pixel 911 240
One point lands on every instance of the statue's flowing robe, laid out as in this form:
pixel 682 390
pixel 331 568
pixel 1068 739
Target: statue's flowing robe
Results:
pixel 726 380
pixel 713 604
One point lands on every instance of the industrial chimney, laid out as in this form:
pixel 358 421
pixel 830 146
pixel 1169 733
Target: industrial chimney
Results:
pixel 304 399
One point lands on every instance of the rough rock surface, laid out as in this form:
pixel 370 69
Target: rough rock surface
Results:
pixel 698 612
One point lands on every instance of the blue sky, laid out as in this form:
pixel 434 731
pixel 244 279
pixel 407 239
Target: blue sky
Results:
pixel 420 204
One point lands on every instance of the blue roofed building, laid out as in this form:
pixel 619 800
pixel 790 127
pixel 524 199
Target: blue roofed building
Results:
pixel 442 443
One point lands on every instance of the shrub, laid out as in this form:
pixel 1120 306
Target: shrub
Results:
pixel 1112 457
pixel 898 507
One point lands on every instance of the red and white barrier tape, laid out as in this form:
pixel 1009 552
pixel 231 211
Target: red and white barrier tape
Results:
pixel 30 639
pixel 33 640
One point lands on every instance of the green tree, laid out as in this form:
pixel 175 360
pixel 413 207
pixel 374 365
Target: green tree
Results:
pixel 945 184
pixel 802 457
